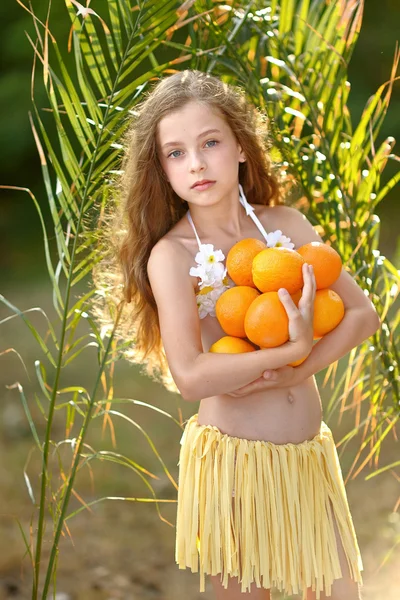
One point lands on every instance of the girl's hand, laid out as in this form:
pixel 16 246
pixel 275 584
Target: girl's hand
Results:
pixel 300 333
pixel 301 318
pixel 272 378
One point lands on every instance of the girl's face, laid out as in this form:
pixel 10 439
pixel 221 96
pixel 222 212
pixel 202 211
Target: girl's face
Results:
pixel 196 143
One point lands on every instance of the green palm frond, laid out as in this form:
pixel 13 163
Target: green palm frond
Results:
pixel 89 104
pixel 292 58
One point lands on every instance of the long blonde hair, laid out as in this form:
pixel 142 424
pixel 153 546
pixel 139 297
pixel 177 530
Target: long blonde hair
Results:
pixel 146 207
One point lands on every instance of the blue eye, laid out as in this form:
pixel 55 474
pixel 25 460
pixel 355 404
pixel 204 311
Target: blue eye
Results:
pixel 173 153
pixel 214 142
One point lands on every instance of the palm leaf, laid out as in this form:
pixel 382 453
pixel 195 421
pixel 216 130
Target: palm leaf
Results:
pixel 88 106
pixel 292 58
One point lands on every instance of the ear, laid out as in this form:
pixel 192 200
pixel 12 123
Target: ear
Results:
pixel 242 157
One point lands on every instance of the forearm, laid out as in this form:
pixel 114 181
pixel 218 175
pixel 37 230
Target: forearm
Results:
pixel 215 373
pixel 356 326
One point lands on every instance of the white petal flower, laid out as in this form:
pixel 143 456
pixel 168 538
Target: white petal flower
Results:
pixel 207 256
pixel 206 301
pixel 275 239
pixel 198 272
pixel 215 274
pixel 211 276
pixel 210 267
pixel 205 304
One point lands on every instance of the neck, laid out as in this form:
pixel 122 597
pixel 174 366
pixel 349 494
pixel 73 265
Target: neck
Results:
pixel 226 217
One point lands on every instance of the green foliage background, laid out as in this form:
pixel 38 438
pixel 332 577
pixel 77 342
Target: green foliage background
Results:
pixel 370 372
pixel 21 242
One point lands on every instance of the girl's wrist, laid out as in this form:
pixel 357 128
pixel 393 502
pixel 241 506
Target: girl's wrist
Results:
pixel 302 372
pixel 299 350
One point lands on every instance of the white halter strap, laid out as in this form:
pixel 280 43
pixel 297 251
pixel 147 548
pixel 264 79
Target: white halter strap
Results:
pixel 249 212
pixel 189 216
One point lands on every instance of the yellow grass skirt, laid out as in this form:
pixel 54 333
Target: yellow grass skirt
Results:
pixel 261 511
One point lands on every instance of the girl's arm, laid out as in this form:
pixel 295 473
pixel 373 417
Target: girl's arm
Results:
pixel 200 374
pixel 215 373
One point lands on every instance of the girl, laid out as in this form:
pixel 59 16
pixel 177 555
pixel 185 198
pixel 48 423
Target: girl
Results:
pixel 261 499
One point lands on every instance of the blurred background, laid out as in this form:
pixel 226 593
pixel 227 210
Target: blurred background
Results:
pixel 124 549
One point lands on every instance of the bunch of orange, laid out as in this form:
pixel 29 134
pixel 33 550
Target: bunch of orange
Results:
pixel 252 312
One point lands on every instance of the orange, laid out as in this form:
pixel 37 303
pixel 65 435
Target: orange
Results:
pixel 266 322
pixel 240 258
pixel 328 312
pixel 296 297
pixel 296 363
pixel 231 308
pixel 325 260
pixel 231 345
pixel 275 268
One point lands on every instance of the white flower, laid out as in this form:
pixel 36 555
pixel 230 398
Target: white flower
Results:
pixel 214 278
pixel 207 256
pixel 206 301
pixel 210 267
pixel 208 295
pixel 275 239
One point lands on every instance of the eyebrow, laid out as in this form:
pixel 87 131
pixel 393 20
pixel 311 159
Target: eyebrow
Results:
pixel 199 136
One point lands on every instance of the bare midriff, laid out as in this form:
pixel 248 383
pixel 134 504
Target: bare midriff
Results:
pixel 281 415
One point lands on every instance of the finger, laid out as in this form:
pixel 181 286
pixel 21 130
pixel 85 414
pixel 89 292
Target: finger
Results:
pixel 246 389
pixel 256 386
pixel 312 278
pixel 270 374
pixel 308 292
pixel 288 304
pixel 279 375
pixel 308 277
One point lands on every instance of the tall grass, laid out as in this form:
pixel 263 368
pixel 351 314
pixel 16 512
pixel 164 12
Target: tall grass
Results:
pixel 292 57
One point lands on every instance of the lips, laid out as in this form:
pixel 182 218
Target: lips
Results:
pixel 202 182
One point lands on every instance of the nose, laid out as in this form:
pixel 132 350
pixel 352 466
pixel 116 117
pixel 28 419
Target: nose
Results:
pixel 197 162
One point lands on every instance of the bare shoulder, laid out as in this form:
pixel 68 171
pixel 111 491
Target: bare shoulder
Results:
pixel 164 247
pixel 174 241
pixel 167 243
pixel 173 251
pixel 290 221
pixel 168 251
